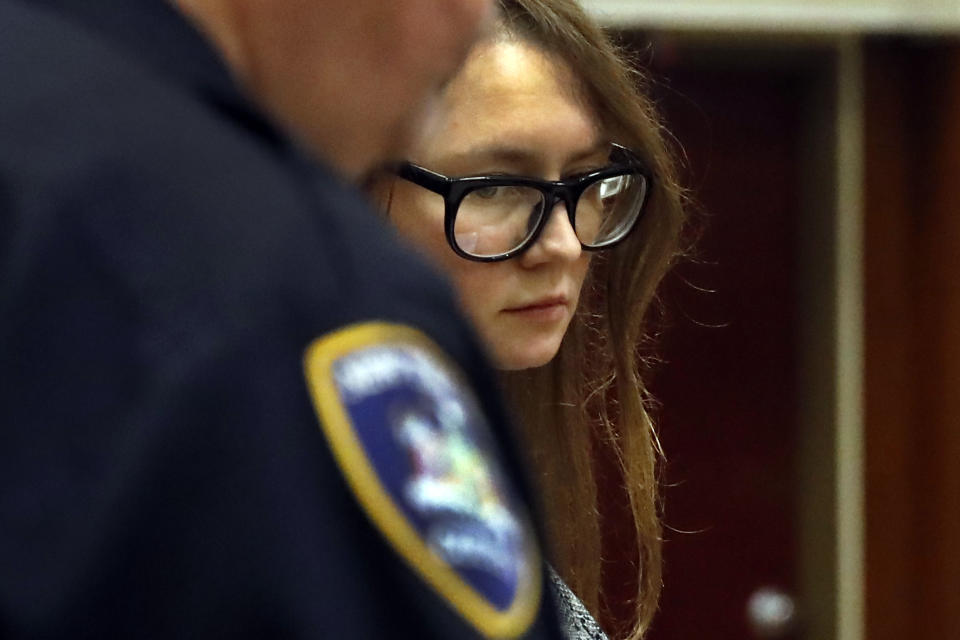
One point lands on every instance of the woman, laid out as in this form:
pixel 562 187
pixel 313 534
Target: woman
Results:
pixel 544 119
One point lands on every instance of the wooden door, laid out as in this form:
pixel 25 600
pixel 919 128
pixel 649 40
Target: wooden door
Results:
pixel 912 270
pixel 728 381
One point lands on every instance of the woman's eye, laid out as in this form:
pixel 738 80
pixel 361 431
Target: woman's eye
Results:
pixel 488 193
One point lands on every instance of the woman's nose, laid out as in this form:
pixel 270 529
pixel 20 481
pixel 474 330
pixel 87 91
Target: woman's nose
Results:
pixel 557 241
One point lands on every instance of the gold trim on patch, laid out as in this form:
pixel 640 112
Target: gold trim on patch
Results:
pixel 376 501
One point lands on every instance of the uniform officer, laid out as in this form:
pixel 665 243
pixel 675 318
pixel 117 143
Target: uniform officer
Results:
pixel 230 405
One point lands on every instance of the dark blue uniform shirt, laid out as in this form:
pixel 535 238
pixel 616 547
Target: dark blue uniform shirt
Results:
pixel 166 256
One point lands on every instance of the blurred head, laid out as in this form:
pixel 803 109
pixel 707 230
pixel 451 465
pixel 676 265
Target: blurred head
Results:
pixel 352 79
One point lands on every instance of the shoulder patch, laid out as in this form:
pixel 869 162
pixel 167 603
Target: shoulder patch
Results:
pixel 416 449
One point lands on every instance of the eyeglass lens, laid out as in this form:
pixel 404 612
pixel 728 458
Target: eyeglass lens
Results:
pixel 498 219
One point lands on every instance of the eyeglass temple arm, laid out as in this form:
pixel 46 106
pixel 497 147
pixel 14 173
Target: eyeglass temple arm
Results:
pixel 424 177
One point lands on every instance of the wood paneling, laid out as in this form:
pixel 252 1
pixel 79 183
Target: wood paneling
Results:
pixel 912 338
pixel 728 384
pixel 729 354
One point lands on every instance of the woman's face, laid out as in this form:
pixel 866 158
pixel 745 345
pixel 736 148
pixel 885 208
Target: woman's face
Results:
pixel 511 110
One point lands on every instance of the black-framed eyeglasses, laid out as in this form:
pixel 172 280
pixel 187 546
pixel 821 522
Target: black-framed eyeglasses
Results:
pixel 491 218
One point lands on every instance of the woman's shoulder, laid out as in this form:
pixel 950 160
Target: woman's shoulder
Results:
pixel 575 621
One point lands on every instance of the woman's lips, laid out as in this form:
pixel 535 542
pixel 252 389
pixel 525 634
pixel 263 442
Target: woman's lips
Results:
pixel 548 309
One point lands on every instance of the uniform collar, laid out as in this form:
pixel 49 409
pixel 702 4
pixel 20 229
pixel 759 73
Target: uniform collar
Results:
pixel 160 37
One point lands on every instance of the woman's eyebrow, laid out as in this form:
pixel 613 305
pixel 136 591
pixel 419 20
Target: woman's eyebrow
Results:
pixel 503 153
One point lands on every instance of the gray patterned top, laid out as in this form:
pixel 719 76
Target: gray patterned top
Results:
pixel 575 621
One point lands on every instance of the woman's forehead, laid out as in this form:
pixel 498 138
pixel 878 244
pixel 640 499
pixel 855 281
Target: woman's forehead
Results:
pixel 511 98
pixel 505 68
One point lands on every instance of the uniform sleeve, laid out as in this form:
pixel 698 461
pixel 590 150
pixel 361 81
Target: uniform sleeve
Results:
pixel 165 474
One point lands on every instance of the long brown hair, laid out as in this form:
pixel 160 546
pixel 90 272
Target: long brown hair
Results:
pixel 591 394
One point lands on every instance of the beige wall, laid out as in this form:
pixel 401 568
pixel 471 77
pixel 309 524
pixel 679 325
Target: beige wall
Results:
pixel 822 16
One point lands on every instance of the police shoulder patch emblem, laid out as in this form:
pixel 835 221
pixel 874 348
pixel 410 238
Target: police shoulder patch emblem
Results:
pixel 416 449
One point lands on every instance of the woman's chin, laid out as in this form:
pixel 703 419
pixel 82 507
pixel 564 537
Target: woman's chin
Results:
pixel 528 357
